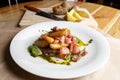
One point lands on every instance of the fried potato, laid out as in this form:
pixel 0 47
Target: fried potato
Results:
pixel 48 39
pixel 55 46
pixel 41 43
pixel 65 44
pixel 59 33
pixel 58 46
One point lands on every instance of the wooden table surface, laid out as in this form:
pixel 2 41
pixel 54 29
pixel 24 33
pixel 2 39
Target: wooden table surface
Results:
pixel 108 21
pixel 108 18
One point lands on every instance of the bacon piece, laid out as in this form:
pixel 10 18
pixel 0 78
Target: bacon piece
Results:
pixel 61 39
pixel 68 40
pixel 73 40
pixel 76 57
pixel 74 48
pixel 64 51
pixel 83 52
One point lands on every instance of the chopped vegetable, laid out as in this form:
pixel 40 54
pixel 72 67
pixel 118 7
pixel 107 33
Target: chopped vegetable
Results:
pixel 48 39
pixel 34 51
pixel 41 43
pixel 80 42
pixel 59 46
pixel 68 57
pixel 74 48
pixel 90 41
pixel 59 33
pixel 64 51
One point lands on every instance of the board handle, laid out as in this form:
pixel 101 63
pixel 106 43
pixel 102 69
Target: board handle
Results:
pixel 31 8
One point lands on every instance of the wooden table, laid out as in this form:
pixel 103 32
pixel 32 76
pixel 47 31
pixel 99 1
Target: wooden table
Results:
pixel 108 20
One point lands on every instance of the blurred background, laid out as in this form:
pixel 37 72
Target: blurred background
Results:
pixel 112 3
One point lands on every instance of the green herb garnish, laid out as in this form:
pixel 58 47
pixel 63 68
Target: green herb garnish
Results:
pixel 90 41
pixel 34 51
pixel 80 42
pixel 68 57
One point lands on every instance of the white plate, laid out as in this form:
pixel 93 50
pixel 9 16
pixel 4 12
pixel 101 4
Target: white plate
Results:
pixel 98 51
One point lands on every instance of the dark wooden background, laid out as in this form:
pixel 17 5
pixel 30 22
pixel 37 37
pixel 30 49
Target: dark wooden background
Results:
pixel 5 2
pixel 112 3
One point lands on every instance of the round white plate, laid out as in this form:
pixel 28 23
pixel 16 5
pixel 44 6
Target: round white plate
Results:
pixel 98 51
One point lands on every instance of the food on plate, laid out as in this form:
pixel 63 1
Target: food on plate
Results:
pixel 61 9
pixel 59 46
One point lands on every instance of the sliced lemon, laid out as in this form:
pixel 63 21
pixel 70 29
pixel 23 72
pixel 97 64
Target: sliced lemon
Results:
pixel 71 17
pixel 71 11
pixel 83 14
pixel 77 16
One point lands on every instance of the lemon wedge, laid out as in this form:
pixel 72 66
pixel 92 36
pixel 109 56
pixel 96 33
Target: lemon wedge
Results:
pixel 83 14
pixel 70 17
pixel 71 11
pixel 77 16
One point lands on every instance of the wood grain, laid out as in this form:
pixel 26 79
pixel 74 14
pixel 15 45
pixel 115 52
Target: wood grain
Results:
pixel 115 30
pixel 17 11
pixel 90 6
pixel 107 18
pixel 104 16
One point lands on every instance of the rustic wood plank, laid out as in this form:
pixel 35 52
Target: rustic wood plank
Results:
pixel 15 12
pixel 115 30
pixel 31 18
pixel 104 16
pixel 91 7
pixel 112 22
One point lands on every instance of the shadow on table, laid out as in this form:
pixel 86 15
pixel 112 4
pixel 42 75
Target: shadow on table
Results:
pixel 16 70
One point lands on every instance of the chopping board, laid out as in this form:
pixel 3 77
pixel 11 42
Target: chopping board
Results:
pixel 30 18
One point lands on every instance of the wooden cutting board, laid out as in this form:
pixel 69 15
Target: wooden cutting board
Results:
pixel 31 18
